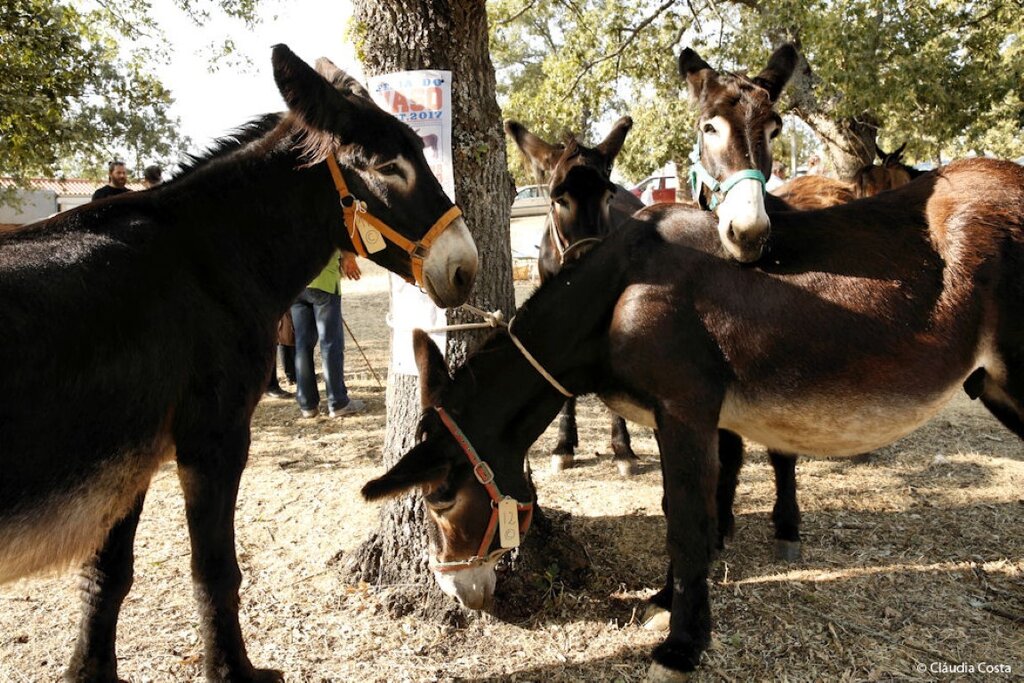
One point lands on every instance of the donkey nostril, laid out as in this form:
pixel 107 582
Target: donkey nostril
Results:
pixel 731 234
pixel 459 277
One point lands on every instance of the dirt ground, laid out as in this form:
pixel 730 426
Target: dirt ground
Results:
pixel 913 564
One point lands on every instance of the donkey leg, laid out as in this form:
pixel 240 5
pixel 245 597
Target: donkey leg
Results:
pixel 209 478
pixel 105 581
pixel 563 456
pixel 690 471
pixel 786 513
pixel 659 609
pixel 622 449
pixel 656 616
pixel 730 460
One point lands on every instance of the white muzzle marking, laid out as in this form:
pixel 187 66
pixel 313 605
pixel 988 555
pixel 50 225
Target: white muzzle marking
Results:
pixel 743 223
pixel 472 587
pixel 450 268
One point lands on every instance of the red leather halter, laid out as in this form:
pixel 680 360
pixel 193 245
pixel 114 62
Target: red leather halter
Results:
pixel 485 475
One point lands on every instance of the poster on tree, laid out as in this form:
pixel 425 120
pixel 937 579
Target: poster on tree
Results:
pixel 423 100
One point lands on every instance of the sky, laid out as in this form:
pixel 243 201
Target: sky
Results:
pixel 211 104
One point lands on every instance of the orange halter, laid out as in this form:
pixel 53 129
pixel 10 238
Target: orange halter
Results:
pixel 418 251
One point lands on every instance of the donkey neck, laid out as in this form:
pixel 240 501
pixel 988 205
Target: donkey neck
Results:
pixel 286 215
pixel 503 401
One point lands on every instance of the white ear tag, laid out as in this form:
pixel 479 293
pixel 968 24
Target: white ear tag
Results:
pixel 508 522
pixel 372 239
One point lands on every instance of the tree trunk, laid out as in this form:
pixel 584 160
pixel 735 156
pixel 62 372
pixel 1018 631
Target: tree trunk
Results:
pixel 849 142
pixel 397 35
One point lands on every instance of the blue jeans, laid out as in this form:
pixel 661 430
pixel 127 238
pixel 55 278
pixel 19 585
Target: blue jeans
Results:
pixel 316 314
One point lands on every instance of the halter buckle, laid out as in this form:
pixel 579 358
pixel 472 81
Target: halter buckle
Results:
pixel 483 473
pixel 419 250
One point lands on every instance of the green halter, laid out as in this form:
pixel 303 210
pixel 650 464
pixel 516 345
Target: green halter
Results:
pixel 699 177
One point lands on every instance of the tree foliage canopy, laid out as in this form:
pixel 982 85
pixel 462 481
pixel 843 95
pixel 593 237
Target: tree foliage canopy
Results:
pixel 73 94
pixel 944 76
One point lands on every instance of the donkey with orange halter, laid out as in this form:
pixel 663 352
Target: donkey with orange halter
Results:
pixel 146 323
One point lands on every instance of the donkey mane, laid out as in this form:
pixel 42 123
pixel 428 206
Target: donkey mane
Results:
pixel 231 142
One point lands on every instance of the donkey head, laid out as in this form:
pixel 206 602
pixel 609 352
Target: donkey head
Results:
pixel 733 155
pixel 386 173
pixel 578 181
pixel 891 159
pixel 460 493
pixel 870 179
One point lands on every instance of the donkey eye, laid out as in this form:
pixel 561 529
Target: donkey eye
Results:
pixel 440 505
pixel 440 499
pixel 390 168
pixel 709 129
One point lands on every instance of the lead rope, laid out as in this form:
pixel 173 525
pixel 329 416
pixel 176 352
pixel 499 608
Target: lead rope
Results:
pixel 492 319
pixel 495 319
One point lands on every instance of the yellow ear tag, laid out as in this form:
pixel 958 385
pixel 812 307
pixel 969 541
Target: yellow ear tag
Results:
pixel 372 239
pixel 508 522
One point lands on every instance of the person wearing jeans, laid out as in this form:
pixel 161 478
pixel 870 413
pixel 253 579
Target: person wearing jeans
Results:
pixel 316 315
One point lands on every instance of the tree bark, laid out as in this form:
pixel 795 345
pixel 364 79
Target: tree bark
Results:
pixel 397 35
pixel 849 142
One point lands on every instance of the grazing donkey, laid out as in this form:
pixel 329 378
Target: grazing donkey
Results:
pixel 867 319
pixel 139 329
pixel 585 206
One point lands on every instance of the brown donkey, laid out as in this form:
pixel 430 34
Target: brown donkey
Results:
pixel 732 157
pixel 585 206
pixel 820 192
pixel 864 322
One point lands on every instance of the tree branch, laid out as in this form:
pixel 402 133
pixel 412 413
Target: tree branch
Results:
pixel 622 47
pixel 526 8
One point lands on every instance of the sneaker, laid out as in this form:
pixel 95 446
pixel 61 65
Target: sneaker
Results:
pixel 311 412
pixel 278 392
pixel 353 406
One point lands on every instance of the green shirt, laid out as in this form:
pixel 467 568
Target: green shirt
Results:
pixel 329 279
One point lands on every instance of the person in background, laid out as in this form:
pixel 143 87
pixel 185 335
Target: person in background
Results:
pixel 152 176
pixel 285 357
pixel 778 176
pixel 316 314
pixel 117 179
pixel 814 165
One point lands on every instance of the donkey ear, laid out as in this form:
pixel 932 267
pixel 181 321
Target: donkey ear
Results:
pixel 434 377
pixel 694 70
pixel 612 144
pixel 543 155
pixel 897 156
pixel 780 68
pixel 307 93
pixel 420 466
pixel 341 80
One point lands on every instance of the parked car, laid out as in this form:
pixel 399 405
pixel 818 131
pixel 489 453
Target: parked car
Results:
pixel 531 200
pixel 656 188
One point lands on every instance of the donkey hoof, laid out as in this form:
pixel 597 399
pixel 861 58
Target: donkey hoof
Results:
pixel 627 468
pixel 560 461
pixel 656 618
pixel 662 674
pixel 787 551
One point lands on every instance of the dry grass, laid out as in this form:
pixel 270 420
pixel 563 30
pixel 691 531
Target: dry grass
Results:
pixel 912 558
